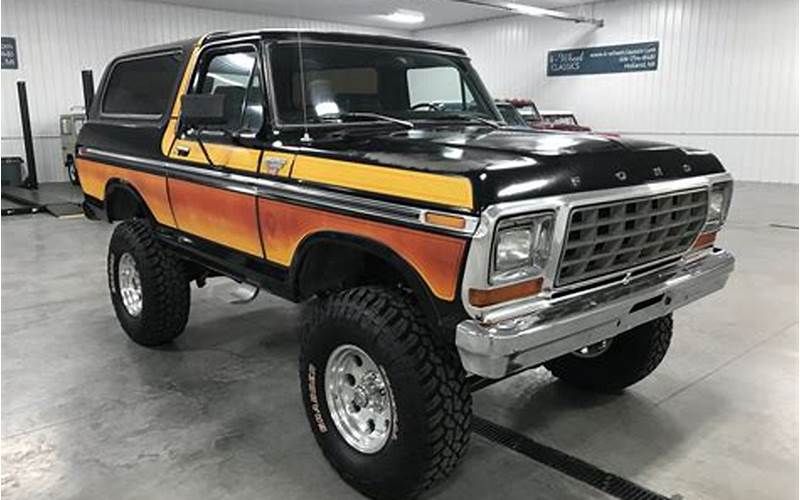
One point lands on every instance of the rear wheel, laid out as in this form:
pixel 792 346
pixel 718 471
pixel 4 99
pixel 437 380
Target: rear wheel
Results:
pixel 387 402
pixel 149 288
pixel 72 170
pixel 616 363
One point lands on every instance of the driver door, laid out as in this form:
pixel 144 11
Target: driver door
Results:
pixel 204 203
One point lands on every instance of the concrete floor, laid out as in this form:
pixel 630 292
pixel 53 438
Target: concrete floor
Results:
pixel 87 414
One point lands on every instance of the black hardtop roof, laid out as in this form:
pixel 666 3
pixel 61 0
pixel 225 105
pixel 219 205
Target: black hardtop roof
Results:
pixel 310 36
pixel 185 45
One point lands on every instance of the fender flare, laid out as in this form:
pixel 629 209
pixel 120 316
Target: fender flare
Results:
pixel 418 286
pixel 117 185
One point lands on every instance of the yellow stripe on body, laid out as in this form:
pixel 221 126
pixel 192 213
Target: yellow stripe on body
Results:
pixel 446 190
pixel 223 155
pixel 172 126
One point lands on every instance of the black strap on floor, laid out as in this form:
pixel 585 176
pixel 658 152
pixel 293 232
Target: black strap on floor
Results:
pixel 574 467
pixel 784 226
pixel 477 383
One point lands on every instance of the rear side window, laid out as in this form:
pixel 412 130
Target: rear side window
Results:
pixel 142 86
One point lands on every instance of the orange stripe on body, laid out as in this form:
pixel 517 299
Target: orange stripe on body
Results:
pixel 436 258
pixel 94 177
pixel 223 217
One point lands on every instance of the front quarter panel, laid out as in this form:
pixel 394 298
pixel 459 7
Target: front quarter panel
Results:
pixel 435 257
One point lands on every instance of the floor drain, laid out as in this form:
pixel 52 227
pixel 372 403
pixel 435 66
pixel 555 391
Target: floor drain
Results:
pixel 574 467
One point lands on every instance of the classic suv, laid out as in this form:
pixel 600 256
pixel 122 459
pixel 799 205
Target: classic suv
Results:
pixel 430 242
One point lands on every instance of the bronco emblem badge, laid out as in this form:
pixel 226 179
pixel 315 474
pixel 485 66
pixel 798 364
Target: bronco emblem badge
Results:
pixel 274 164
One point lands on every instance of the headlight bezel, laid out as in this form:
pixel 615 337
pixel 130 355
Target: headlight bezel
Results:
pixel 539 250
pixel 715 218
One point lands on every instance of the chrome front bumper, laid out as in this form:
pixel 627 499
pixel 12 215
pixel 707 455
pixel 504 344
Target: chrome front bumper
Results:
pixel 569 323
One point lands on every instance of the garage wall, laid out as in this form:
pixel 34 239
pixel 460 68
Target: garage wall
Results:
pixel 56 39
pixel 727 78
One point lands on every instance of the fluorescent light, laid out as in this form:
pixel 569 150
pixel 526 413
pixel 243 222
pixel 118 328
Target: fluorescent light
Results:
pixel 529 10
pixel 404 16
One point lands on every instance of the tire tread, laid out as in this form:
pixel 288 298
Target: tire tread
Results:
pixel 632 356
pixel 168 305
pixel 448 403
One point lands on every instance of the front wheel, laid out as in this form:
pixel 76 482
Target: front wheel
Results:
pixel 149 288
pixel 619 362
pixel 387 402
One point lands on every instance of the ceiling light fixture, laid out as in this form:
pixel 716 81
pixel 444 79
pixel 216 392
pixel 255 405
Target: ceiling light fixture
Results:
pixel 530 10
pixel 404 16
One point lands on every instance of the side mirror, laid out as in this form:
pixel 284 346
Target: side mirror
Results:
pixel 200 110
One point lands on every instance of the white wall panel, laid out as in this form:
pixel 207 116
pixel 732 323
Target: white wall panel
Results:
pixel 727 78
pixel 56 39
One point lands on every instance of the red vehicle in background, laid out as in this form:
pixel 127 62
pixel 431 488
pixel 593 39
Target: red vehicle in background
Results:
pixel 547 120
pixel 564 121
pixel 561 120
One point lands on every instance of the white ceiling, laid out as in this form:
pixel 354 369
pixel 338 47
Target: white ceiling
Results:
pixel 367 12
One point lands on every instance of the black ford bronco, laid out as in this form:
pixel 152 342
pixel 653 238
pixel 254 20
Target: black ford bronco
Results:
pixel 369 176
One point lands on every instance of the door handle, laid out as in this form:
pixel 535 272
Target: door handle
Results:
pixel 183 150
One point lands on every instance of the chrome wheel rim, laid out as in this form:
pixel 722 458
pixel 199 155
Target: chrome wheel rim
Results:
pixel 359 399
pixel 130 286
pixel 593 350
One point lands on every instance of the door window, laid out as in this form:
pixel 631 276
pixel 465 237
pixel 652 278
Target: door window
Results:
pixel 236 76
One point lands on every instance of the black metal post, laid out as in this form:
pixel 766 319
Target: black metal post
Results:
pixel 88 89
pixel 31 182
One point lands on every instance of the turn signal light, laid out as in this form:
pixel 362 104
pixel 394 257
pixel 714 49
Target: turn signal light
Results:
pixel 451 221
pixel 704 240
pixel 483 298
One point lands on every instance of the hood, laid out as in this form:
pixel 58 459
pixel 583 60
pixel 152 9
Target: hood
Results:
pixel 513 164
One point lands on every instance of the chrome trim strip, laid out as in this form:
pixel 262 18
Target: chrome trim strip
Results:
pixel 619 276
pixel 296 193
pixel 476 272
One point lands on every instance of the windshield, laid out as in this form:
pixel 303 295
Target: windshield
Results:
pixel 561 119
pixel 403 84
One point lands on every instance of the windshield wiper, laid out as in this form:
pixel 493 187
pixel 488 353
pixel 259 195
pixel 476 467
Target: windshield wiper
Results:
pixel 374 116
pixel 467 116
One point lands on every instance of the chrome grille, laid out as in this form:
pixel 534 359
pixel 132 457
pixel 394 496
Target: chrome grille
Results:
pixel 609 237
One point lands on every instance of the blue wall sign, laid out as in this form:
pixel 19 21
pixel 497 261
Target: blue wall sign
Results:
pixel 9 53
pixel 607 59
